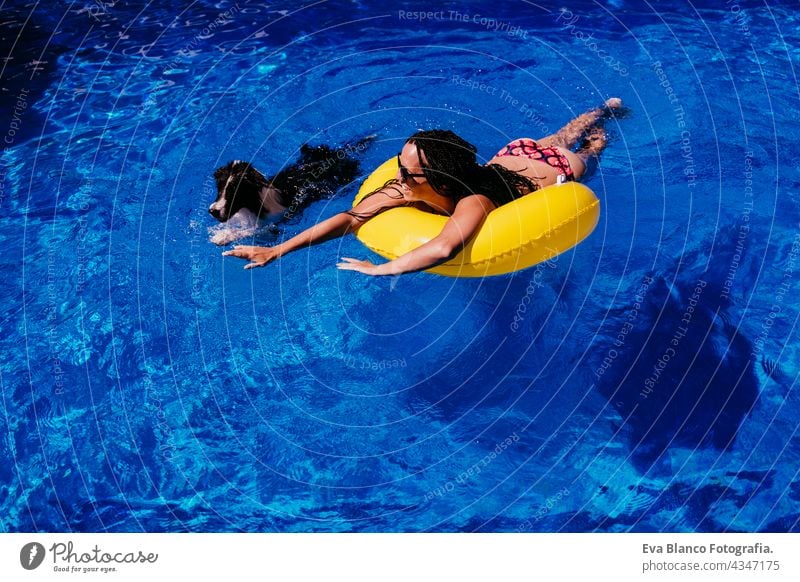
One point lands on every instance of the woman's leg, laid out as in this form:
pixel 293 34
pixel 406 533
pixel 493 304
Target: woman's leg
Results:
pixel 568 136
pixel 594 142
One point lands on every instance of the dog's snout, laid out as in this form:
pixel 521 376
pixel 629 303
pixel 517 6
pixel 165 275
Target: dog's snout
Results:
pixel 216 211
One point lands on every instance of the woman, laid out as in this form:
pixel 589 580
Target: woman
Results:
pixel 438 172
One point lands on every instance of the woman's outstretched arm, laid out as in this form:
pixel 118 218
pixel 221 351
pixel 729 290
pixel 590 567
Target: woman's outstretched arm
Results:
pixel 467 218
pixel 333 227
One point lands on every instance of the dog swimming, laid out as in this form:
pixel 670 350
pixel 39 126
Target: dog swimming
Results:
pixel 245 195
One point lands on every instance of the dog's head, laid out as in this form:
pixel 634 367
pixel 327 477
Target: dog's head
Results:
pixel 238 186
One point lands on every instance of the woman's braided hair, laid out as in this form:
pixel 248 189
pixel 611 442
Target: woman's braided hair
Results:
pixel 452 169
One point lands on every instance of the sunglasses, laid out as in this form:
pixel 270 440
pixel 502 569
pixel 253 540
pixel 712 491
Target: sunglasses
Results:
pixel 404 173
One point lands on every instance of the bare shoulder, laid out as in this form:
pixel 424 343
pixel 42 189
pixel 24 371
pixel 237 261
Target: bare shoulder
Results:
pixel 386 197
pixel 470 213
pixel 475 203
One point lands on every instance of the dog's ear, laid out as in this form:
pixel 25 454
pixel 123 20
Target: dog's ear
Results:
pixel 239 166
pixel 221 175
pixel 230 165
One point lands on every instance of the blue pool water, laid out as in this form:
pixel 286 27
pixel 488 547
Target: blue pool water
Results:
pixel 644 381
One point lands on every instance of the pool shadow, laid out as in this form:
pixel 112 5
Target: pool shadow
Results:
pixel 30 67
pixel 681 376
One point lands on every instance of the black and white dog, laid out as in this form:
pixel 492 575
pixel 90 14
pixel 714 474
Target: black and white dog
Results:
pixel 244 193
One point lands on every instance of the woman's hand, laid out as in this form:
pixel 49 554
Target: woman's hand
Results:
pixel 258 256
pixel 361 266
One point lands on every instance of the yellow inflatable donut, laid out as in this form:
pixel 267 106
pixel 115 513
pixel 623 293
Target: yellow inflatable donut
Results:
pixel 515 236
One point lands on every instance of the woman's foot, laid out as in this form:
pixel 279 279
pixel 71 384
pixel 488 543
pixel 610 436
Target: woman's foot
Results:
pixel 614 109
pixel 594 142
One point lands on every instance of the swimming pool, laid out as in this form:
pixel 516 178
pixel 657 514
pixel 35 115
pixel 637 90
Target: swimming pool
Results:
pixel 643 381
